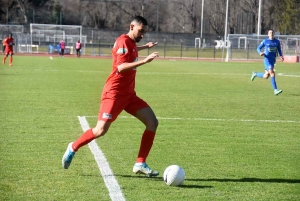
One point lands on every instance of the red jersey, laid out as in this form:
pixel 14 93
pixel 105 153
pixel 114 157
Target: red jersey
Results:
pixel 124 51
pixel 8 43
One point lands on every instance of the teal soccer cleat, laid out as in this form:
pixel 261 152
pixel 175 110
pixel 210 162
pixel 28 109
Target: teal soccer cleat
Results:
pixel 277 91
pixel 68 156
pixel 253 76
pixel 143 168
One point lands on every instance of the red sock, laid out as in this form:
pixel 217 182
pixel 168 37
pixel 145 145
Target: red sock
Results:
pixel 10 60
pixel 4 59
pixel 146 144
pixel 84 139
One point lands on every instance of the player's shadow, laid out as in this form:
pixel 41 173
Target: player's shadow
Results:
pixel 160 179
pixel 295 94
pixel 275 180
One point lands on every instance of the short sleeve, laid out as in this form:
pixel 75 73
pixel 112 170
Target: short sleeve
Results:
pixel 122 51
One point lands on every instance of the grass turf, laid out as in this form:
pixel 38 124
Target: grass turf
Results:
pixel 233 137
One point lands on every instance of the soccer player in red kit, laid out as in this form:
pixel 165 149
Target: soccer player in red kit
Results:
pixel 119 94
pixel 9 43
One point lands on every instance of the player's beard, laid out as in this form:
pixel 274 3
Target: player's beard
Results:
pixel 137 39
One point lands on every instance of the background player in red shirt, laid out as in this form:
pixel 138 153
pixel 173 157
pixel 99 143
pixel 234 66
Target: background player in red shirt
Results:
pixel 119 94
pixel 9 43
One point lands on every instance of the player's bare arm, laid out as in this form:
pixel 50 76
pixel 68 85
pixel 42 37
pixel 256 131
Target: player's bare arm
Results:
pixel 128 66
pixel 146 46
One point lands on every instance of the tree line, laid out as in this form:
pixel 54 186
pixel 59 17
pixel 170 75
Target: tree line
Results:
pixel 176 16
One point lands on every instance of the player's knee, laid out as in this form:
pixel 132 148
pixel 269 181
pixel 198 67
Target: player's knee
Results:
pixel 99 131
pixel 152 124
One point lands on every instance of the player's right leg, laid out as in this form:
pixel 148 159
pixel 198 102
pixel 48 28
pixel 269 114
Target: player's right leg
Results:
pixel 109 110
pixel 261 74
pixel 89 135
pixel 4 58
pixel 253 76
pixel 68 156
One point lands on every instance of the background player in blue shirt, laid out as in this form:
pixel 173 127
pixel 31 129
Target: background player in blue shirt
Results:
pixel 271 45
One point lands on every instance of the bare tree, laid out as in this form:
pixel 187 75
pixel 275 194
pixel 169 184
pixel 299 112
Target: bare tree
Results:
pixel 216 15
pixel 15 10
pixel 23 5
pixel 162 15
pixel 68 7
pixel 189 8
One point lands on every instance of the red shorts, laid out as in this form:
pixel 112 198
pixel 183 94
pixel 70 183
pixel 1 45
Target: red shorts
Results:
pixel 112 105
pixel 9 51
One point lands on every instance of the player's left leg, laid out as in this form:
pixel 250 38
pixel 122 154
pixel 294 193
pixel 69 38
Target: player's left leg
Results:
pixel 273 81
pixel 148 118
pixel 11 59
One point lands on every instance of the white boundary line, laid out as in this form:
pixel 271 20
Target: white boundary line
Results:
pixel 211 119
pixel 282 74
pixel 169 73
pixel 111 183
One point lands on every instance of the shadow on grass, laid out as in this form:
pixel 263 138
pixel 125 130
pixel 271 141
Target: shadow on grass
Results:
pixel 295 94
pixel 275 180
pixel 160 179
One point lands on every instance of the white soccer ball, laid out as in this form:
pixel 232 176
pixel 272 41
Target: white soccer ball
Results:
pixel 174 175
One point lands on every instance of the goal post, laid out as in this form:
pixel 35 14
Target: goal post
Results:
pixel 6 29
pixel 197 43
pixel 243 38
pixel 46 35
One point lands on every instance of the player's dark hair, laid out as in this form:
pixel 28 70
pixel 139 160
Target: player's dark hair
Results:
pixel 271 30
pixel 10 34
pixel 140 20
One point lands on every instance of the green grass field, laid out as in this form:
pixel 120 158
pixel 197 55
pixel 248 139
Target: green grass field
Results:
pixel 233 137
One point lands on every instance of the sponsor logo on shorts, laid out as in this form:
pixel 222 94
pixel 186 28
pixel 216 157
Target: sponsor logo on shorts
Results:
pixel 106 116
